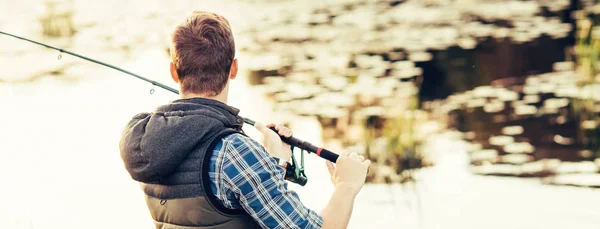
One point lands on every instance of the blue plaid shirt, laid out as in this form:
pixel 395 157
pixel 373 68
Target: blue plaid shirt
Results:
pixel 244 175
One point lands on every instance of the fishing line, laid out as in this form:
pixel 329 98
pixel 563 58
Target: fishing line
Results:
pixel 299 178
pixel 95 61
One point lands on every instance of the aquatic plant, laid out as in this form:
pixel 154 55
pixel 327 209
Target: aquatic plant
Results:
pixel 586 53
pixel 58 19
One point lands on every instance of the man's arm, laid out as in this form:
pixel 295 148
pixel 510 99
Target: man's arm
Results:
pixel 258 183
pixel 348 177
pixel 339 209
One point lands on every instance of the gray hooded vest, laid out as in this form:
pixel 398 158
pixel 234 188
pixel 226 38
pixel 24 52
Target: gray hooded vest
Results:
pixel 168 151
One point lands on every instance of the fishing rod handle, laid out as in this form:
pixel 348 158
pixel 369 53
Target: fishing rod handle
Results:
pixel 292 141
pixel 319 151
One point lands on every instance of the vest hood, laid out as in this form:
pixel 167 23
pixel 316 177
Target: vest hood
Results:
pixel 153 145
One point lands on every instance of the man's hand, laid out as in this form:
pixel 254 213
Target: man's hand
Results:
pixel 348 177
pixel 272 141
pixel 350 171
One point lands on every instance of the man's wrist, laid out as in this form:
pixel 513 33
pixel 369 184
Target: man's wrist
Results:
pixel 281 162
pixel 347 189
pixel 281 156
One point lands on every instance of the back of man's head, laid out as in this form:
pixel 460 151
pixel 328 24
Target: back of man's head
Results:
pixel 202 51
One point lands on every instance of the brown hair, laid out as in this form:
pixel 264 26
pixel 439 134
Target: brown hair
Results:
pixel 202 50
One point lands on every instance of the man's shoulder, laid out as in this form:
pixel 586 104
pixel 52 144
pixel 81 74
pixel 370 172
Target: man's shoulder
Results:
pixel 238 144
pixel 236 137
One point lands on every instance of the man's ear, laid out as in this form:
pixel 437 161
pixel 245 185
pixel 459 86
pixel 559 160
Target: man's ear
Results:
pixel 234 69
pixel 174 74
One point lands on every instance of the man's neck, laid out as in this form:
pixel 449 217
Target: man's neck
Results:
pixel 220 97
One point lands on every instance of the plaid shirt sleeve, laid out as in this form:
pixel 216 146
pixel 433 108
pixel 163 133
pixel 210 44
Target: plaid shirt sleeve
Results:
pixel 244 175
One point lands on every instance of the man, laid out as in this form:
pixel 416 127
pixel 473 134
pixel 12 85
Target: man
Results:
pixel 196 166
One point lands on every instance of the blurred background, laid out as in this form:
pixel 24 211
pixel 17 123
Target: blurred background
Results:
pixel 477 114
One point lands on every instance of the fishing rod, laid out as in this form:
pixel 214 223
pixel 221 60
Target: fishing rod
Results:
pixel 293 173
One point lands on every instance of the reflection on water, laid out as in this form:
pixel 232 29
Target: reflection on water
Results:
pixel 60 166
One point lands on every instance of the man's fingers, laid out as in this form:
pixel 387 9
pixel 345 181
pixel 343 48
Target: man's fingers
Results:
pixel 259 126
pixel 330 167
pixel 283 131
pixel 280 129
pixel 263 128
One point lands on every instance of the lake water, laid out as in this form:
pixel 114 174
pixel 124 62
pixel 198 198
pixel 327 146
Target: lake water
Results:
pixel 59 134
